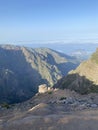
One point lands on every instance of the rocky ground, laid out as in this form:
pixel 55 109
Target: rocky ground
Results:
pixel 53 110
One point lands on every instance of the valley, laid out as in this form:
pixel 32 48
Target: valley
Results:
pixel 23 69
pixel 44 89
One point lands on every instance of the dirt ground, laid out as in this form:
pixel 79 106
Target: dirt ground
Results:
pixel 81 120
pixel 49 112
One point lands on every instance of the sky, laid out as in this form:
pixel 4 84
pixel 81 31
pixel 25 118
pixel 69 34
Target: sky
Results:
pixel 43 21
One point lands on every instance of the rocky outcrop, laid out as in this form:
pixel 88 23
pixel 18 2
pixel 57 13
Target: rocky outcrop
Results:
pixel 43 88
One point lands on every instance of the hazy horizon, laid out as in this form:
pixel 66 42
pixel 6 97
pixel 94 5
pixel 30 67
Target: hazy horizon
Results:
pixel 32 21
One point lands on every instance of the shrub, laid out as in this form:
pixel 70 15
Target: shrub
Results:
pixel 5 105
pixel 50 92
pixel 63 98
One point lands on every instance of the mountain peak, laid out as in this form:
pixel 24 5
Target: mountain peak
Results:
pixel 94 56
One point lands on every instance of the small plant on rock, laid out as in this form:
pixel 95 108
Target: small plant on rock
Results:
pixel 63 98
pixel 50 92
pixel 5 105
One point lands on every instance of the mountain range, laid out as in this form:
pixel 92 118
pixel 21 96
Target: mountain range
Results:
pixel 23 69
pixel 72 103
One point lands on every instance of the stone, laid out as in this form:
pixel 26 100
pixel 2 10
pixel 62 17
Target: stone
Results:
pixel 70 100
pixel 93 105
pixel 43 88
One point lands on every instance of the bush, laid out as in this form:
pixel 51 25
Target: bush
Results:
pixel 50 92
pixel 5 105
pixel 63 98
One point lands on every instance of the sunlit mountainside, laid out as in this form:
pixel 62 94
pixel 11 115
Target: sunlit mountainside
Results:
pixel 84 79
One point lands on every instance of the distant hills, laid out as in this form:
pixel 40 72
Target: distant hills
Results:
pixel 81 54
pixel 67 48
pixel 84 79
pixel 23 69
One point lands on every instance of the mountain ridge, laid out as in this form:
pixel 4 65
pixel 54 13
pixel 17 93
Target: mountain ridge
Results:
pixel 84 75
pixel 30 68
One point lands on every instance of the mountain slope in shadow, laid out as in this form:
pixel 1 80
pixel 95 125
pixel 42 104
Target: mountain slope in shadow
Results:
pixel 77 83
pixel 23 69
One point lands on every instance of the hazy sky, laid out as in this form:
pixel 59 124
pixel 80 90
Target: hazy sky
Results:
pixel 48 20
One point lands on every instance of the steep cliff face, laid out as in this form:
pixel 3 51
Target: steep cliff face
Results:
pixel 84 79
pixel 23 69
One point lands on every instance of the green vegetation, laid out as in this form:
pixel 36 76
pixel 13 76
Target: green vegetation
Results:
pixel 94 89
pixel 78 83
pixel 49 92
pixel 63 98
pixel 5 105
pixel 94 57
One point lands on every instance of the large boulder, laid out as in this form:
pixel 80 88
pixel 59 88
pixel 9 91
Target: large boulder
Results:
pixel 43 88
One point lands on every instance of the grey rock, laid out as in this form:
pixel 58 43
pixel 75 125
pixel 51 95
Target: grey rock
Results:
pixel 94 105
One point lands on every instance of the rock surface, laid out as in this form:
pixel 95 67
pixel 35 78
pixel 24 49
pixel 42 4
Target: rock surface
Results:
pixel 43 88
